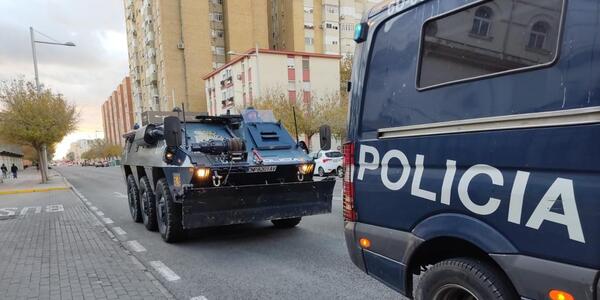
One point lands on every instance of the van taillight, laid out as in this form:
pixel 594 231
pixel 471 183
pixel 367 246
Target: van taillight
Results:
pixel 348 204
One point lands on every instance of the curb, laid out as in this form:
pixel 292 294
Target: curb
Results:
pixel 37 190
pixel 112 235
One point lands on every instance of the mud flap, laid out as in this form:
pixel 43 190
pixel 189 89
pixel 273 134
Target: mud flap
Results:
pixel 215 206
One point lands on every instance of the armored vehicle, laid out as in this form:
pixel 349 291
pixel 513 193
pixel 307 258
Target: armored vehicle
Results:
pixel 219 170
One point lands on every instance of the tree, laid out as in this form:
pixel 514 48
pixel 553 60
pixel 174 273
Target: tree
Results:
pixel 71 156
pixel 34 118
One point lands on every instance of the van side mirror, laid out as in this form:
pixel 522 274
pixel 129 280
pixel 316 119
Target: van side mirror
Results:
pixel 172 131
pixel 325 137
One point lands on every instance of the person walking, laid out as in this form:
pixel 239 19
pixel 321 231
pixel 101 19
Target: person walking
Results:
pixel 4 171
pixel 14 170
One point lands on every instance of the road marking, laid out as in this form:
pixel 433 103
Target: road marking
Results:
pixel 93 208
pixel 119 231
pixel 119 195
pixel 135 246
pixel 199 298
pixel 100 213
pixel 107 220
pixel 164 271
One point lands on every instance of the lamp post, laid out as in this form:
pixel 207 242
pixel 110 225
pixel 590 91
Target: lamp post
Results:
pixel 44 155
pixel 257 64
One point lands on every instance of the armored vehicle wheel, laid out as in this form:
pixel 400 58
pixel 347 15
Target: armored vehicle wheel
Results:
pixel 463 278
pixel 286 223
pixel 133 197
pixel 148 204
pixel 321 172
pixel 168 213
pixel 340 172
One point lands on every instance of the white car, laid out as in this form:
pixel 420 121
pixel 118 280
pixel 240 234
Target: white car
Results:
pixel 328 162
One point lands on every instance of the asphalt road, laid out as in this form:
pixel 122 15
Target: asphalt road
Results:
pixel 254 261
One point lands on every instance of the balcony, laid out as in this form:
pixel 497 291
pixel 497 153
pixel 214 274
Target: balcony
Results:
pixel 151 75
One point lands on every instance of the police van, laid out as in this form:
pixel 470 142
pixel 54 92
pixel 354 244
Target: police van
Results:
pixel 472 166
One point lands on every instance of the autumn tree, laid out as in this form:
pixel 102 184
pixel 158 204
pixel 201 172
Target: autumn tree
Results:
pixel 34 118
pixel 70 156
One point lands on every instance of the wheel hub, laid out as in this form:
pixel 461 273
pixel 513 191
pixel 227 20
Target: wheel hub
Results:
pixel 454 292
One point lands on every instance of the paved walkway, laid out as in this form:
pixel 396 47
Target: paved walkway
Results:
pixel 53 247
pixel 29 181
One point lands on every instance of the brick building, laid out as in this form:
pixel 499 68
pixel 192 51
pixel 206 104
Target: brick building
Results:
pixel 117 113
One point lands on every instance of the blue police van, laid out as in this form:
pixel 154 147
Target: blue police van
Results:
pixel 472 166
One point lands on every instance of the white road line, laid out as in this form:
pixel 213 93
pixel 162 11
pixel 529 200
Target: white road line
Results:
pixel 199 298
pixel 107 220
pixel 135 246
pixel 100 213
pixel 163 270
pixel 93 208
pixel 119 195
pixel 119 231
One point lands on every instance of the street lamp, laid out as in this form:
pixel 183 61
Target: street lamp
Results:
pixel 44 156
pixel 257 70
pixel 33 42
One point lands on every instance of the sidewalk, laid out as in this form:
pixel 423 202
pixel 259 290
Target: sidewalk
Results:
pixel 28 181
pixel 53 247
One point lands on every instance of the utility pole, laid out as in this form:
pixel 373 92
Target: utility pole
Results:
pixel 43 164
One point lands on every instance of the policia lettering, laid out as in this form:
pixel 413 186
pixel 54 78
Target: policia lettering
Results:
pixel 561 189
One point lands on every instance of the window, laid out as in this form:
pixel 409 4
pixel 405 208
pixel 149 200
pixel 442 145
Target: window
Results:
pixel 481 21
pixel 537 37
pixel 291 85
pixel 448 55
pixel 305 64
pixel 218 33
pixel 309 41
pixel 219 51
pixel 291 64
pixel 217 17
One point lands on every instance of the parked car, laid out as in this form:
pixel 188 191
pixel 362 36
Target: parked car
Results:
pixel 328 162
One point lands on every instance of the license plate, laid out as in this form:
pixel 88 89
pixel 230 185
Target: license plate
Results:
pixel 262 169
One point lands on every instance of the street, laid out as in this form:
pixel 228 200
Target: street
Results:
pixel 253 261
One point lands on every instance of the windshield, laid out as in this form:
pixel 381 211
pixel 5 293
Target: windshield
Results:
pixel 333 154
pixel 205 132
pixel 258 116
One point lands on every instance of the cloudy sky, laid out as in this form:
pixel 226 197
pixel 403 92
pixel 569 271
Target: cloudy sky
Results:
pixel 86 74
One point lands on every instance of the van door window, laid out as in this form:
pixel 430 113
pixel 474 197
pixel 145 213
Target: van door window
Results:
pixel 489 38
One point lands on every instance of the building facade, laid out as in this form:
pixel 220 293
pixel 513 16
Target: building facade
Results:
pixel 79 147
pixel 117 113
pixel 172 43
pixel 11 154
pixel 321 26
pixel 302 76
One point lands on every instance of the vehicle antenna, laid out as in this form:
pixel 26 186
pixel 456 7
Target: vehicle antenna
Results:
pixel 184 125
pixel 295 123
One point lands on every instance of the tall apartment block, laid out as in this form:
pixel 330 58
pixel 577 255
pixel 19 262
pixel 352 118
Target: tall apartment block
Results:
pixel 117 113
pixel 172 43
pixel 322 26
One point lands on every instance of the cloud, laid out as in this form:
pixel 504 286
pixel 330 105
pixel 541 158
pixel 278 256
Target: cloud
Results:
pixel 86 74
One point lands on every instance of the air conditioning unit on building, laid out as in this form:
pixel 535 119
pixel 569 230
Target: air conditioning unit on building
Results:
pixel 239 77
pixel 180 45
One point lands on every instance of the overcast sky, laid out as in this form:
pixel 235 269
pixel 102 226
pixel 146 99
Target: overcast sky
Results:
pixel 86 74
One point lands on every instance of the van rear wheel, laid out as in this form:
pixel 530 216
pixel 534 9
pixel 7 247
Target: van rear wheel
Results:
pixel 286 223
pixel 147 204
pixel 463 279
pixel 168 213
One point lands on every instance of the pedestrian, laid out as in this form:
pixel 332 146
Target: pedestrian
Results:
pixel 4 171
pixel 14 170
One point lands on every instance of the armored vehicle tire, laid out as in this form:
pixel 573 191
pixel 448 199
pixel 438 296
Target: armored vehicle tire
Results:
pixel 168 213
pixel 321 172
pixel 463 278
pixel 147 204
pixel 340 172
pixel 133 197
pixel 286 223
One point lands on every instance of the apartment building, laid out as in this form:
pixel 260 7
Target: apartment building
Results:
pixel 302 76
pixel 172 43
pixel 79 147
pixel 321 26
pixel 117 113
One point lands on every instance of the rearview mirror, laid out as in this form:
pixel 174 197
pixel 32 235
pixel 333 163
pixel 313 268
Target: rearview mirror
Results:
pixel 172 131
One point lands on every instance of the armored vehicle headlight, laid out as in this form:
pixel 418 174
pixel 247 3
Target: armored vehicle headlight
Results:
pixel 305 169
pixel 202 173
